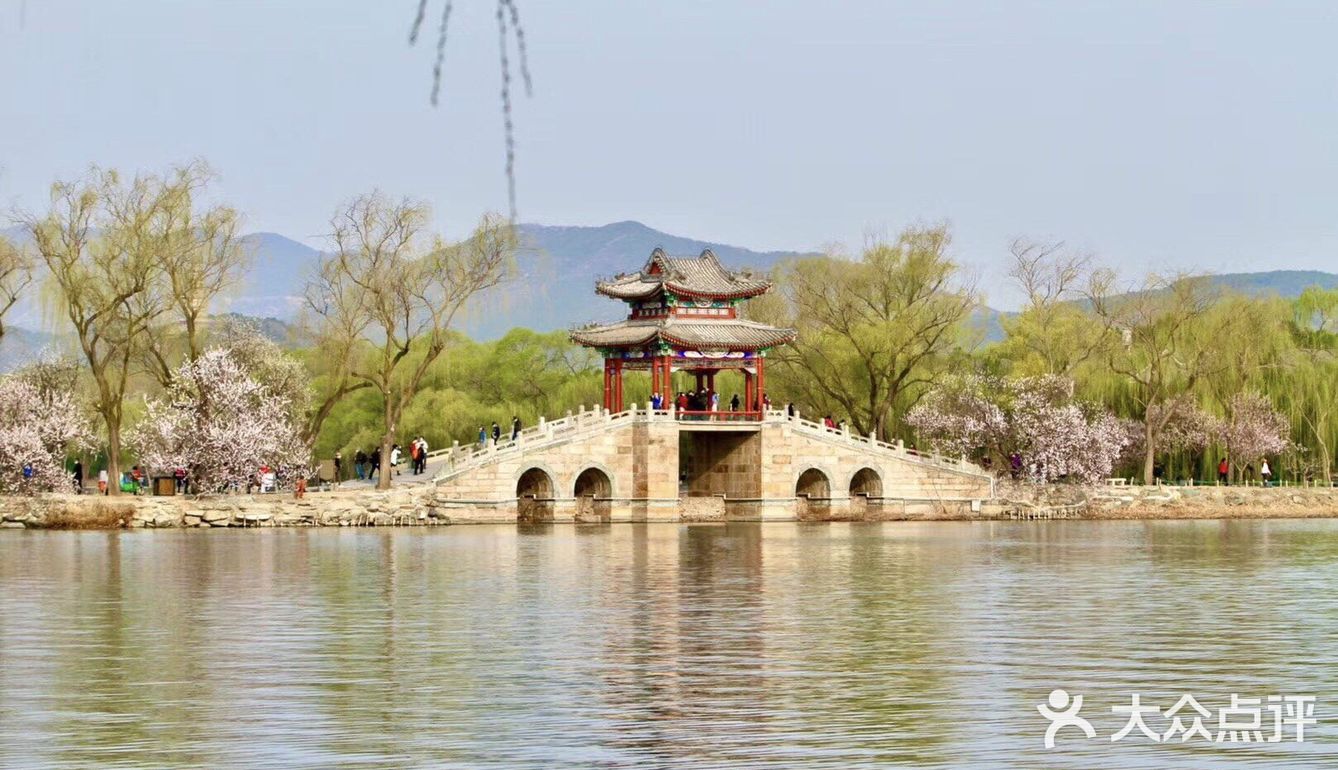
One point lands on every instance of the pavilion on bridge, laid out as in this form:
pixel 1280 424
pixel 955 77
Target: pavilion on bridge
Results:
pixel 684 316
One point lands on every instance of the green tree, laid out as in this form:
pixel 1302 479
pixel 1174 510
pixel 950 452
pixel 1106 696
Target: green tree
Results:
pixel 870 330
pixel 390 296
pixel 1056 332
pixel 1164 341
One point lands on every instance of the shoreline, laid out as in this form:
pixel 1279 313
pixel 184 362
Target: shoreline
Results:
pixel 418 506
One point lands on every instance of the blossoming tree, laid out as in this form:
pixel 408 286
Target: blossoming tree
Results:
pixel 220 424
pixel 1254 430
pixel 1033 419
pixel 39 425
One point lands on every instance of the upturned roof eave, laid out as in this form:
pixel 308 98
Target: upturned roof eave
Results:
pixel 617 292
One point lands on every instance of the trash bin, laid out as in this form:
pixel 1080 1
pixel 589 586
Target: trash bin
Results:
pixel 164 485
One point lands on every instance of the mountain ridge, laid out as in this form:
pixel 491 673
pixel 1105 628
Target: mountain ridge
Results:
pixel 557 269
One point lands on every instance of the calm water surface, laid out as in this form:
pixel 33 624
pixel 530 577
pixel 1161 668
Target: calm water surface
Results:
pixel 866 645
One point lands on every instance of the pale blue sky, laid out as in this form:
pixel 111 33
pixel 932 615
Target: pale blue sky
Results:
pixel 1190 134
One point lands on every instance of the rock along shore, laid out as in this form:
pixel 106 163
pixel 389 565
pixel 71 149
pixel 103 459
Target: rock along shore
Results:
pixel 420 506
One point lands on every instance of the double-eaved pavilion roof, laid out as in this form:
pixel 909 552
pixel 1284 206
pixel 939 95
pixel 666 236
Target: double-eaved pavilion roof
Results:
pixel 697 334
pixel 699 277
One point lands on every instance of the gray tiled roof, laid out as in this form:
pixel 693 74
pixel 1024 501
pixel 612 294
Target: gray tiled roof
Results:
pixel 719 334
pixel 693 276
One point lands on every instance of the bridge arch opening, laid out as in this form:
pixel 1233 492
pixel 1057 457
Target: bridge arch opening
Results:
pixel 593 490
pixel 534 496
pixel 866 490
pixel 813 491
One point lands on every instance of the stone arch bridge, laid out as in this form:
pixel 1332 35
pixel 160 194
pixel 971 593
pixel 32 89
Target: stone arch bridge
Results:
pixel 643 465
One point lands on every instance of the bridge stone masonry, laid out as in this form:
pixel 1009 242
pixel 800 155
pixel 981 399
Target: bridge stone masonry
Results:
pixel 660 465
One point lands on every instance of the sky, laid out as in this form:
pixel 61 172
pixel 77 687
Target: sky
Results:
pixel 1156 135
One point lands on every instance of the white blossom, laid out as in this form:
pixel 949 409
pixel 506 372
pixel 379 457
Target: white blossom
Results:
pixel 38 427
pixel 221 425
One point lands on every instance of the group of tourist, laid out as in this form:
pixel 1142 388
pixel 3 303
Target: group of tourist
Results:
pixel 496 433
pixel 134 481
pixel 702 401
pixel 367 464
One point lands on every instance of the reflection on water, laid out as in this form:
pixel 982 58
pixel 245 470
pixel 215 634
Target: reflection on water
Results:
pixel 924 645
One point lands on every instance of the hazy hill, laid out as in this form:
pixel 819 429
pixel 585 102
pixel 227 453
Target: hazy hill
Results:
pixel 1284 283
pixel 1287 284
pixel 279 272
pixel 558 267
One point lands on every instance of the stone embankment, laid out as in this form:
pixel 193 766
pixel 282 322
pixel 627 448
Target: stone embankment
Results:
pixel 1162 502
pixel 321 509
pixel 425 506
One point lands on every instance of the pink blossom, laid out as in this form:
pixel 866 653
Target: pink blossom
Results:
pixel 221 425
pixel 1034 418
pixel 38 427
pixel 1254 429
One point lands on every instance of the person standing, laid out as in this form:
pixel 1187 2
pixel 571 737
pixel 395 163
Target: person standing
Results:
pixel 1223 469
pixel 360 464
pixel 79 477
pixel 734 403
pixel 515 427
pixel 1265 472
pixel 395 460
pixel 496 433
pixel 102 481
pixel 338 468
pixel 483 437
pixel 375 463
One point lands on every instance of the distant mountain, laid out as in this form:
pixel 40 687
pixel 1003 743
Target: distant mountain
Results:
pixel 1284 283
pixel 22 346
pixel 559 266
pixel 1287 284
pixel 279 272
pixel 554 289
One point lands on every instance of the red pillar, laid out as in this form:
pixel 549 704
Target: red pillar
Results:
pixel 618 386
pixel 655 377
pixel 761 380
pixel 608 384
pixel 747 391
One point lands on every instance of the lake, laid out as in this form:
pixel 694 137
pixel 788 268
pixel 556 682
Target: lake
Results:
pixel 660 645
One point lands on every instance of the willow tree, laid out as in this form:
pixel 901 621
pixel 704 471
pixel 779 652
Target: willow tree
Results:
pixel 101 241
pixel 1164 341
pixel 15 275
pixel 1056 332
pixel 389 295
pixel 1307 385
pixel 202 257
pixel 870 330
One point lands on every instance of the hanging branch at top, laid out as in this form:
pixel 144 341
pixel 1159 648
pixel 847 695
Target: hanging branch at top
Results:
pixel 508 20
